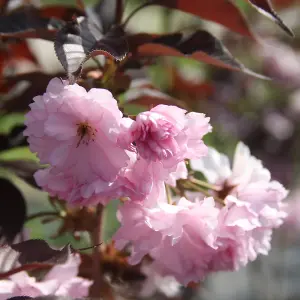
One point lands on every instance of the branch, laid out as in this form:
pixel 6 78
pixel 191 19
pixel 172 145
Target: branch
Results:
pixel 100 287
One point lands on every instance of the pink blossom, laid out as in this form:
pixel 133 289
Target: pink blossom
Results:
pixel 253 206
pixel 61 280
pixel 167 134
pixel 181 172
pixel 180 238
pixel 166 285
pixel 76 132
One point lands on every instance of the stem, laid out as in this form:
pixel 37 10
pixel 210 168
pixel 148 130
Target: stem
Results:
pixel 169 195
pixel 205 184
pixel 134 12
pixel 195 187
pixel 28 267
pixel 97 63
pixel 119 11
pixel 100 287
pixel 43 214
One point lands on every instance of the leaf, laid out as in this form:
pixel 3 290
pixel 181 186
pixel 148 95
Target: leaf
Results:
pixel 189 89
pixel 24 169
pixel 283 3
pixel 39 251
pixel 200 45
pixel 12 211
pixel 19 98
pixel 81 39
pixel 223 12
pixel 103 14
pixel 148 96
pixel 61 12
pixel 10 53
pixel 265 7
pixel 27 23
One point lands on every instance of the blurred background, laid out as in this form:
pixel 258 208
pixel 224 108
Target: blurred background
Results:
pixel 264 114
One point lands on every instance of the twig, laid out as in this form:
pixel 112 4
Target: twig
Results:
pixel 43 214
pixel 205 184
pixel 169 194
pixel 197 188
pixel 119 11
pixel 135 11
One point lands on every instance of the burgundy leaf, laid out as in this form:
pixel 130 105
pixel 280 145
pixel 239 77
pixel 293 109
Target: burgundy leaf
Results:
pixel 200 45
pixel 223 12
pixel 61 12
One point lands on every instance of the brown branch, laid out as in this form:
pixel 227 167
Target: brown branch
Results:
pixel 99 288
pixel 27 267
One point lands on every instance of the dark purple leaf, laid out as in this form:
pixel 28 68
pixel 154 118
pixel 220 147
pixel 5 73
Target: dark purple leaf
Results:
pixel 265 7
pixel 103 13
pixel 200 45
pixel 80 39
pixel 12 211
pixel 4 142
pixel 38 251
pixel 27 23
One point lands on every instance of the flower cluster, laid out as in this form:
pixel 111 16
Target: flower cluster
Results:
pixel 200 235
pixel 96 154
pixel 61 280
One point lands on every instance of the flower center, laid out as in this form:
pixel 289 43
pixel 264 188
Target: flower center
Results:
pixel 225 191
pixel 86 133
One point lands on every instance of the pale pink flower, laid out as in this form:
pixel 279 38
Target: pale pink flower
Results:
pixel 61 280
pixel 180 238
pixel 76 132
pixel 155 282
pixel 248 181
pixel 253 205
pixel 181 172
pixel 167 134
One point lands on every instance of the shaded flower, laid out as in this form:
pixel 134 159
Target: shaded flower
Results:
pixel 180 238
pixel 253 205
pixel 155 282
pixel 61 280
